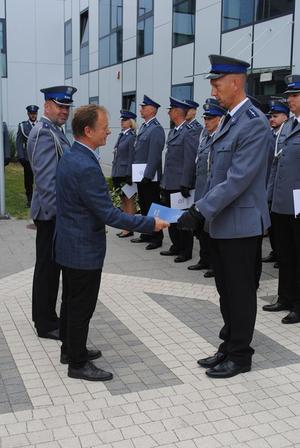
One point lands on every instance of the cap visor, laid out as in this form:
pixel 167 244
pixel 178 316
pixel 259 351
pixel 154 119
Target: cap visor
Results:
pixel 63 104
pixel 291 91
pixel 214 75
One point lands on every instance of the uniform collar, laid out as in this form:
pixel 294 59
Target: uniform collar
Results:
pixel 180 126
pixel 236 108
pixel 146 123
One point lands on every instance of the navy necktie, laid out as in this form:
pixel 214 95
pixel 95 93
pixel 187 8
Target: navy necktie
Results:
pixel 295 122
pixel 226 119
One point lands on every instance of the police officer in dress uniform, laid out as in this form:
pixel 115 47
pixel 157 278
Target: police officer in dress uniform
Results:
pixel 179 174
pixel 236 210
pixel 149 145
pixel 122 163
pixel 24 129
pixel 278 113
pixel 191 116
pixel 6 144
pixel 286 175
pixel 46 144
pixel 212 116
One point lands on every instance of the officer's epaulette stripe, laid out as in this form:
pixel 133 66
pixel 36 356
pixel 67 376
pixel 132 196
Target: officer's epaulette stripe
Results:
pixel 252 113
pixel 189 126
pixel 45 125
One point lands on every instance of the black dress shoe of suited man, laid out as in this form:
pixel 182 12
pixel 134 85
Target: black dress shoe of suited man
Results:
pixel 168 253
pixel 54 334
pixel 291 318
pixel 138 240
pixel 152 246
pixel 227 369
pixel 91 354
pixel 276 265
pixel 89 372
pixel 271 258
pixel 277 306
pixel 212 361
pixel 199 266
pixel 125 235
pixel 181 259
pixel 209 274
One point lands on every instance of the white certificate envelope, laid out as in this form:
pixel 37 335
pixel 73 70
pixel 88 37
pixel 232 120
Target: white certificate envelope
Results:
pixel 179 202
pixel 129 190
pixel 296 195
pixel 138 170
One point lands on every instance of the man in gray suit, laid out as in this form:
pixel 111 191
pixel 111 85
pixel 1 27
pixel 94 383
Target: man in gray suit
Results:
pixel 235 208
pixel 286 174
pixel 149 146
pixel 179 174
pixel 46 144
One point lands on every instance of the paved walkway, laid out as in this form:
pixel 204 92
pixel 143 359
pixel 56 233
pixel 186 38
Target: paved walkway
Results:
pixel 153 321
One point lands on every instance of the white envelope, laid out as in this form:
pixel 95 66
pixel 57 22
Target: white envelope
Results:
pixel 296 196
pixel 138 170
pixel 129 190
pixel 179 202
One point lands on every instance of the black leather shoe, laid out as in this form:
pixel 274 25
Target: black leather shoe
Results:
pixel 269 258
pixel 181 259
pixel 138 240
pixel 54 334
pixel 91 354
pixel 212 361
pixel 276 265
pixel 227 369
pixel 168 253
pixel 208 274
pixel 152 246
pixel 199 266
pixel 278 306
pixel 124 235
pixel 291 318
pixel 89 372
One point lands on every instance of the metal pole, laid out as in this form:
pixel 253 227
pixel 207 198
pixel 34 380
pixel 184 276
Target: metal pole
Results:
pixel 2 176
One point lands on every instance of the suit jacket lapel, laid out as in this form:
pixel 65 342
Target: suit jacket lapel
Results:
pixel 231 122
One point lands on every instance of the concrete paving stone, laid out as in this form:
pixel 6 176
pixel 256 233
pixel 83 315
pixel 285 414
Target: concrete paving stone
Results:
pixel 144 442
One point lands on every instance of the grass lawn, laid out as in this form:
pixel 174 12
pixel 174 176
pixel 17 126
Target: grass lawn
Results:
pixel 14 192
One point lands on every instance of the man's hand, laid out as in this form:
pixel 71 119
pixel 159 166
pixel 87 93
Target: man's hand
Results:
pixel 191 220
pixel 146 180
pixel 160 224
pixel 129 180
pixel 185 191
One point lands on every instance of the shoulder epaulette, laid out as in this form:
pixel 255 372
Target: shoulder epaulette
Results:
pixel 252 113
pixel 189 126
pixel 45 125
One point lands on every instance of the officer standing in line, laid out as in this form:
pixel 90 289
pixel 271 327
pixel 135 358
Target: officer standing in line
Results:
pixel 286 179
pixel 149 146
pixel 46 144
pixel 191 116
pixel 24 129
pixel 278 114
pixel 179 174
pixel 212 116
pixel 236 210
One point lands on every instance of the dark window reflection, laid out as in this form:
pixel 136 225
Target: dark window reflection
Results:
pixel 183 22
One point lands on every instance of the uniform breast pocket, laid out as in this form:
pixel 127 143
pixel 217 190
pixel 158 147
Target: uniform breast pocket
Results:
pixel 222 158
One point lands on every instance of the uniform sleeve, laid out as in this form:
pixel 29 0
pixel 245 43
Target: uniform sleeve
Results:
pixel 248 159
pixel 271 179
pixel 156 145
pixel 190 145
pixel 19 144
pixel 94 193
pixel 130 154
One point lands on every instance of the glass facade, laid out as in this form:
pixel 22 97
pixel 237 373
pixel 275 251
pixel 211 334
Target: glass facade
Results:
pixel 129 101
pixel 267 9
pixel 110 32
pixel 68 49
pixel 84 42
pixel 3 60
pixel 183 91
pixel 183 22
pixel 145 25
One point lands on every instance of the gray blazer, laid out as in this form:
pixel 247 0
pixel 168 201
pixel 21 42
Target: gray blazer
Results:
pixel 287 169
pixel 123 154
pixel 196 126
pixel 148 148
pixel 180 158
pixel 24 129
pixel 235 205
pixel 202 165
pixel 46 144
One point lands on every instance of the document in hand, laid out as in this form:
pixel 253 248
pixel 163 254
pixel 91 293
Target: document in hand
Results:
pixel 296 195
pixel 178 201
pixel 138 170
pixel 167 214
pixel 129 190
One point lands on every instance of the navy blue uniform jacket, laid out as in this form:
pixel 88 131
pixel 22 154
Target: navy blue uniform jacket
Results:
pixel 83 208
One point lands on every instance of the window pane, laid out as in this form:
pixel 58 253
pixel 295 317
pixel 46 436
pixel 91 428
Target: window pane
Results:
pixel 84 27
pixel 84 59
pixel 182 91
pixel 145 36
pixel 266 9
pixel 116 13
pixel 3 62
pixel 68 65
pixel 68 37
pixel 104 14
pixel 237 13
pixel 129 102
pixel 183 22
pixel 104 51
pixel 116 47
pixel 144 6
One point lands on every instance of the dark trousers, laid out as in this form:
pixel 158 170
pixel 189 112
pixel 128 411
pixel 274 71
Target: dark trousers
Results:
pixel 205 250
pixel 45 279
pixel 28 180
pixel 182 240
pixel 148 193
pixel 289 260
pixel 78 305
pixel 234 262
pixel 273 234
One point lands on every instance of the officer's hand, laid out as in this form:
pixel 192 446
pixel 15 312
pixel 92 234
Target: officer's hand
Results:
pixel 22 161
pixel 160 224
pixel 185 191
pixel 129 180
pixel 146 180
pixel 191 220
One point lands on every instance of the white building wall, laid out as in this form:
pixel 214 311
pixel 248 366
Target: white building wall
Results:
pixel 296 53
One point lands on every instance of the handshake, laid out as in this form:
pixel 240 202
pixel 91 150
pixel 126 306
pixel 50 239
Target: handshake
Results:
pixel 192 220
